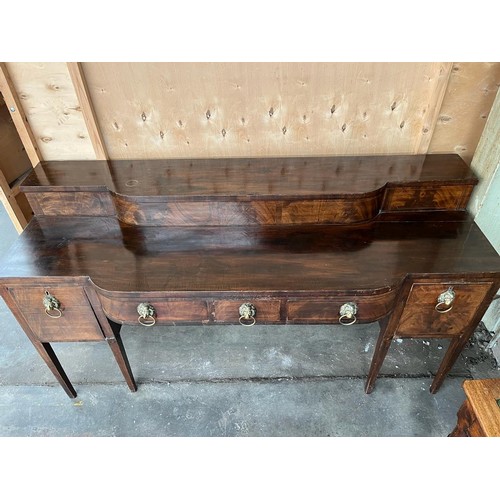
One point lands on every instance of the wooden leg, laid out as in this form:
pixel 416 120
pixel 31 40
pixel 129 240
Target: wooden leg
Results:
pixel 454 349
pixel 111 331
pixel 388 327
pixel 116 345
pixel 49 356
pixel 44 348
pixel 383 343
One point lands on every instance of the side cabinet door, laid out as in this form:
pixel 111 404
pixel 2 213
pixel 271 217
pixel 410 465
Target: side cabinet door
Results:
pixel 77 321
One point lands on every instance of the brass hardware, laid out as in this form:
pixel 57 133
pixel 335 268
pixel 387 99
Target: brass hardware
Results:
pixel 247 313
pixel 146 314
pixel 51 304
pixel 445 299
pixel 348 311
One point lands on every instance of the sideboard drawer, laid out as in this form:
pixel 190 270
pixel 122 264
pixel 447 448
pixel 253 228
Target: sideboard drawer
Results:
pixel 420 317
pixel 267 311
pixel 427 198
pixel 369 308
pixel 77 321
pixel 124 310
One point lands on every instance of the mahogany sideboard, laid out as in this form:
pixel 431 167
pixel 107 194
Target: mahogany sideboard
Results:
pixel 319 240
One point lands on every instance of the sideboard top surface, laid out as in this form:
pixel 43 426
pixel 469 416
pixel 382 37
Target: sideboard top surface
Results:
pixel 259 177
pixel 375 256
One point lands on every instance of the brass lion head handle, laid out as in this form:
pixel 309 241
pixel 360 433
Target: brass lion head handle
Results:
pixel 445 301
pixel 247 314
pixel 147 314
pixel 348 313
pixel 52 306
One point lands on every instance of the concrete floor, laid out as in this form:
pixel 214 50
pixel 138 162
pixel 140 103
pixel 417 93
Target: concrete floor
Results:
pixel 232 381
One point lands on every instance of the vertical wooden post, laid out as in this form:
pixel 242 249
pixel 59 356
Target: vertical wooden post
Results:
pixel 7 195
pixel 18 116
pixel 11 206
pixel 76 72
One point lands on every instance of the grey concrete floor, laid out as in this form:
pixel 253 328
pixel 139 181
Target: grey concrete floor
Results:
pixel 232 381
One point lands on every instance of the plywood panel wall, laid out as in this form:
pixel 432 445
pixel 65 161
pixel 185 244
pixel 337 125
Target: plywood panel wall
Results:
pixel 160 110
pixel 467 103
pixel 52 109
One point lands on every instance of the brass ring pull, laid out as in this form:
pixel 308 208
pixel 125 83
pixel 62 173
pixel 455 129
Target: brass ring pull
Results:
pixel 247 314
pixel 445 301
pixel 147 321
pixel 348 311
pixel 252 319
pixel 346 316
pixel 442 311
pixel 58 315
pixel 146 314
pixel 51 304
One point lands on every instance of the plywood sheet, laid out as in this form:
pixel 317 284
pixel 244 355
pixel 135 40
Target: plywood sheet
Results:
pixel 51 106
pixel 165 110
pixel 468 100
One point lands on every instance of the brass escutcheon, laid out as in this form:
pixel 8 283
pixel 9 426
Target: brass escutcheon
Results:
pixel 51 304
pixel 247 314
pixel 348 311
pixel 445 301
pixel 146 314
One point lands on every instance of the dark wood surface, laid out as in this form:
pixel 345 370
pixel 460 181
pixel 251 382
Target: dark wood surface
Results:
pixel 359 258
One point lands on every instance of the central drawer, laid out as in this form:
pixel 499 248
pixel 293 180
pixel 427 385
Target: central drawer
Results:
pixel 266 310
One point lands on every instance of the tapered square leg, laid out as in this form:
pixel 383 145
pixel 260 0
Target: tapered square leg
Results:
pixel 383 344
pixel 120 355
pixel 49 356
pixel 111 332
pixel 454 349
